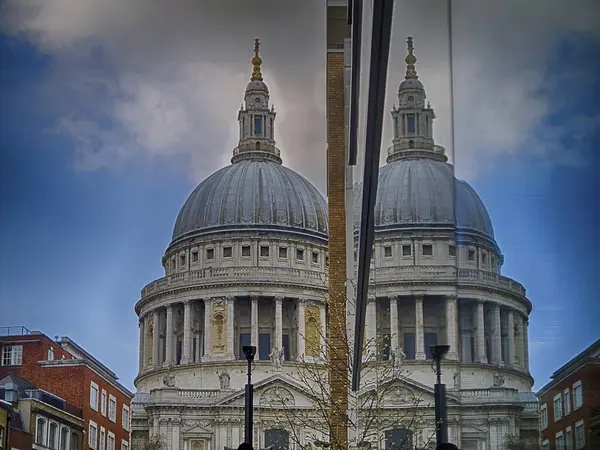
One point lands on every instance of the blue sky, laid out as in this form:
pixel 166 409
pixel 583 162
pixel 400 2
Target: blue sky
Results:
pixel 80 236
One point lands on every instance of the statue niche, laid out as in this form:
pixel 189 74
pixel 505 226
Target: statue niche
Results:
pixel 218 331
pixel 313 335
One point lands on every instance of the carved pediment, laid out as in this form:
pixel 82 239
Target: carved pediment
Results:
pixel 197 428
pixel 402 393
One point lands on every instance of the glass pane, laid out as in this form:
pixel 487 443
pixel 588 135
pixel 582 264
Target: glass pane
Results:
pixel 409 345
pixel 244 341
pixel 430 339
pixel 285 339
pixel 264 346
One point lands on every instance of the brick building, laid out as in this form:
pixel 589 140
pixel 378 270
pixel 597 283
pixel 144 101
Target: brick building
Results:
pixel 569 403
pixel 67 371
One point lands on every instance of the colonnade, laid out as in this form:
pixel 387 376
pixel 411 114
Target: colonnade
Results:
pixel 205 330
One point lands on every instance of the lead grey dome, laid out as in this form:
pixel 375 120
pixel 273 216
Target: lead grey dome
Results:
pixel 425 193
pixel 253 194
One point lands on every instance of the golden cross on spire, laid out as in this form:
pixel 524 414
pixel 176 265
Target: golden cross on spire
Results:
pixel 410 59
pixel 256 62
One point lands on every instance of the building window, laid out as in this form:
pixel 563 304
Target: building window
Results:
pixel 264 251
pixel 195 256
pixel 74 441
pixel 410 123
pixel 40 431
pixel 427 250
pixel 93 435
pixel 110 442
pixel 545 445
pixel 264 346
pixel 182 259
pixel 544 416
pixel 387 251
pixel 560 441
pixel 568 439
pixel 452 250
pixel 406 250
pixel 93 396
pixel 471 255
pixel 557 407
pixel 300 254
pixel 277 439
pixel 245 250
pixel 124 445
pixel 484 258
pixel 103 403
pixel 283 252
pixel 102 441
pixel 112 408
pixel 12 355
pixel 577 395
pixel 244 342
pixel 567 402
pixel 315 257
pixel 579 435
pixel 430 339
pixel 210 253
pixel 125 418
pixel 227 252
pixel 257 124
pixel 50 354
pixel 398 439
pixel 64 438
pixel 409 345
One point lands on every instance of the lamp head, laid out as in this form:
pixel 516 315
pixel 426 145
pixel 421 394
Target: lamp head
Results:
pixel 438 351
pixel 249 351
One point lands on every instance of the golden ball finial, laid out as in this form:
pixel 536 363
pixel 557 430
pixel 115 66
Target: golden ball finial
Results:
pixel 410 59
pixel 256 61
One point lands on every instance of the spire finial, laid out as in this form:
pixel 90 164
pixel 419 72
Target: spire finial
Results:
pixel 256 61
pixel 410 59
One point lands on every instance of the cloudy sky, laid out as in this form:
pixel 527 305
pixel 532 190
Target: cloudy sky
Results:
pixel 113 111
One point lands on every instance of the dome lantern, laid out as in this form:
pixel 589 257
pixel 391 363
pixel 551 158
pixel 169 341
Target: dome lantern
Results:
pixel 256 119
pixel 413 119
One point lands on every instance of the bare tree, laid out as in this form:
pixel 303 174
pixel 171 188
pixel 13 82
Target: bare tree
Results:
pixel 153 443
pixel 380 405
pixel 513 442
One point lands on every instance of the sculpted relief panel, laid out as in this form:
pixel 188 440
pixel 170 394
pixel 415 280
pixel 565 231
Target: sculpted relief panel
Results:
pixel 219 322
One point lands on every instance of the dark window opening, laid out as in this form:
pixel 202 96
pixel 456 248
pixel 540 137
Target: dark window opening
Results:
pixel 277 439
pixel 452 250
pixel 299 254
pixel 471 255
pixel 257 145
pixel 406 250
pixel 227 252
pixel 178 351
pixel 264 251
pixel 245 250
pixel 210 253
pixel 430 339
pixel 283 252
pixel 427 250
pixel 264 346
pixel 411 144
pixel 398 439
pixel 315 257
pixel 257 124
pixel 285 341
pixel 387 251
pixel 409 345
pixel 194 256
pixel 244 341
pixel 410 123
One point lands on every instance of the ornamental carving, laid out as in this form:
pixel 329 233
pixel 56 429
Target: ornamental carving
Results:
pixel 399 396
pixel 277 396
pixel 224 379
pixel 169 380
pixel 498 379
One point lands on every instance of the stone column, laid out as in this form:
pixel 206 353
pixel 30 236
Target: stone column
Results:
pixel 278 323
pixel 146 332
pixel 254 325
pixel 526 342
pixel 520 340
pixel 480 335
pixel 452 326
pixel 323 323
pixel 169 337
pixel 511 338
pixel 176 423
pixel 395 342
pixel 141 355
pixel 301 330
pixel 155 336
pixel 230 326
pixel 207 322
pixel 197 352
pixel 371 329
pixel 419 334
pixel 497 336
pixel 187 331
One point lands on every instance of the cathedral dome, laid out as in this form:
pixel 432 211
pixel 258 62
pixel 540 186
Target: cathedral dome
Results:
pixel 424 193
pixel 253 194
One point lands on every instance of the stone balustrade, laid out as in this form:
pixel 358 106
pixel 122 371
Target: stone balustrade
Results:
pixel 493 395
pixel 396 274
pixel 175 395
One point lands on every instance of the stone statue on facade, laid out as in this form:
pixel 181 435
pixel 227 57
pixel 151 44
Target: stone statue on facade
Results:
pixel 397 356
pixel 169 380
pixel 224 380
pixel 457 379
pixel 277 356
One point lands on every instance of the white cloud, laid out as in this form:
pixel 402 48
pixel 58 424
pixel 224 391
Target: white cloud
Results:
pixel 172 74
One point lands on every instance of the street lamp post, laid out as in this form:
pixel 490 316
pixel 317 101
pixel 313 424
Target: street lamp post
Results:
pixel 441 427
pixel 249 351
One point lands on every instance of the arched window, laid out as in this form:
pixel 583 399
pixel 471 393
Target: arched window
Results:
pixel 411 144
pixel 64 438
pixel 53 436
pixel 279 439
pixel 40 432
pixel 398 439
pixel 257 145
pixel 74 441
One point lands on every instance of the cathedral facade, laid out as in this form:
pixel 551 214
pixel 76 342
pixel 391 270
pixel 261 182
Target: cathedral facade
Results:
pixel 247 265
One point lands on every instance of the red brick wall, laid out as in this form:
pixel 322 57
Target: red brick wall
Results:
pixel 590 380
pixel 20 440
pixel 71 383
